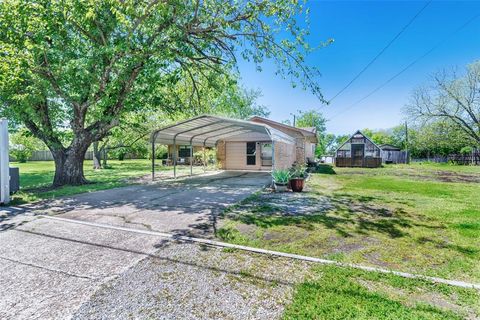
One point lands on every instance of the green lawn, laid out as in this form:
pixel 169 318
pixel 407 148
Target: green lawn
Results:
pixel 37 176
pixel 421 218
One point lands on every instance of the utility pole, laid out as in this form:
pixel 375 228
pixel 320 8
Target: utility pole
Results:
pixel 294 120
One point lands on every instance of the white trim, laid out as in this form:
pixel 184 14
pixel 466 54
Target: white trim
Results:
pixel 4 163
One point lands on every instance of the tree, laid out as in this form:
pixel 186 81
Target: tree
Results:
pixel 85 65
pixel 223 97
pixel 314 119
pixel 22 145
pixel 453 98
pixel 439 138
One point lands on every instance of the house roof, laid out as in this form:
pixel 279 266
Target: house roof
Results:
pixel 389 147
pixel 310 129
pixel 207 130
pixel 306 132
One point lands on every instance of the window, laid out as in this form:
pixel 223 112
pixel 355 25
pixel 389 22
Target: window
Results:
pixel 266 154
pixel 184 151
pixel 251 153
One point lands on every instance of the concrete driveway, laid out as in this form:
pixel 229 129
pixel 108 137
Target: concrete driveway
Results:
pixel 55 269
pixel 188 206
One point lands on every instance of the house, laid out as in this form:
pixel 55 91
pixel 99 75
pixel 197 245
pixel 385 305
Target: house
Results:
pixel 305 138
pixel 393 154
pixel 256 144
pixel 358 151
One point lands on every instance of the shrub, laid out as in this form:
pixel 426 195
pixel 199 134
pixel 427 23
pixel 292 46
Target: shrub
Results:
pixel 281 176
pixel 22 145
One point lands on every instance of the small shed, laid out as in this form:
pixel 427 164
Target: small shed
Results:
pixel 358 151
pixel 393 154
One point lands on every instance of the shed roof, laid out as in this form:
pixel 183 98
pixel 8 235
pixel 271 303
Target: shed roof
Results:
pixel 389 147
pixel 207 130
pixel 357 132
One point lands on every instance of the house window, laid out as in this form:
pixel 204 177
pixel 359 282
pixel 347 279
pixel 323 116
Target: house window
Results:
pixel 184 151
pixel 266 155
pixel 251 153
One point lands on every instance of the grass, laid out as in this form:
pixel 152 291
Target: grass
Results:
pixel 339 293
pixel 420 218
pixel 37 176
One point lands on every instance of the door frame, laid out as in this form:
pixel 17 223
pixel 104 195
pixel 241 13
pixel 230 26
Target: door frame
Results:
pixel 353 154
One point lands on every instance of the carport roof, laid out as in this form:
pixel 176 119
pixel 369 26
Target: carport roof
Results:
pixel 207 130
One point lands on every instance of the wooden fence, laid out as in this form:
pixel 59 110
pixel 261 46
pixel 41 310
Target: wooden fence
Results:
pixel 46 155
pixel 394 156
pixel 472 158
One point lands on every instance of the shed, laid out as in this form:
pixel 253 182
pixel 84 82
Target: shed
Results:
pixel 241 145
pixel 393 154
pixel 358 151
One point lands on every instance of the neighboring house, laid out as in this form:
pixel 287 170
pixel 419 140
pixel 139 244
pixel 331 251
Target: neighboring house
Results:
pixel 257 144
pixel 393 154
pixel 358 151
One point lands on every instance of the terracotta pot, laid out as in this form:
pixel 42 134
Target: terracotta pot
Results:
pixel 297 184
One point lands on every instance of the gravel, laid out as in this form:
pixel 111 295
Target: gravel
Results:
pixel 191 281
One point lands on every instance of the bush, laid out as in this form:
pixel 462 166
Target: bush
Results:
pixel 281 176
pixel 22 145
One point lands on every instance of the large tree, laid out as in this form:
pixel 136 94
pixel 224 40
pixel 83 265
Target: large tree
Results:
pixel 82 65
pixel 452 98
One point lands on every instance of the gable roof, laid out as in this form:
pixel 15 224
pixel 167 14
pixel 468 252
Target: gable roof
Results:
pixel 304 131
pixel 357 132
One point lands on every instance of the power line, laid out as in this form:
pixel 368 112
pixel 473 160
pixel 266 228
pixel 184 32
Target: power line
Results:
pixel 382 51
pixel 407 67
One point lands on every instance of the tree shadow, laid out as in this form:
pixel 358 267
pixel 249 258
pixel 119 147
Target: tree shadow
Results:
pixel 443 244
pixel 347 215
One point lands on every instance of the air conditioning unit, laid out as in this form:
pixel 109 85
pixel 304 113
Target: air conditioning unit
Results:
pixel 14 180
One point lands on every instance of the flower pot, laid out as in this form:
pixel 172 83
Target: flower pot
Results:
pixel 297 184
pixel 280 187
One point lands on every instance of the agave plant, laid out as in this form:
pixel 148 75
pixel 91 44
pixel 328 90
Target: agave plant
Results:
pixel 281 176
pixel 299 172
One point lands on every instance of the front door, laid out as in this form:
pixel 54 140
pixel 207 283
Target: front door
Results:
pixel 357 155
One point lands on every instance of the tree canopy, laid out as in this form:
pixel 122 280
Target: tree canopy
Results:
pixel 84 65
pixel 452 99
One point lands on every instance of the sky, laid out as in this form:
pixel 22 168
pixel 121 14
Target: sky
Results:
pixel 361 29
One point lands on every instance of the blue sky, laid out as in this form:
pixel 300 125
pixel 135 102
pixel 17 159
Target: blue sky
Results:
pixel 360 30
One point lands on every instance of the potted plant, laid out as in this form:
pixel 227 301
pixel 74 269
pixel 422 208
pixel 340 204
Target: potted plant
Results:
pixel 297 180
pixel 280 179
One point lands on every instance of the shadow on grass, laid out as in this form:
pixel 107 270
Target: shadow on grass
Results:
pixel 442 244
pixel 351 217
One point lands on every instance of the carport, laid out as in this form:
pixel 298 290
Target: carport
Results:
pixel 206 131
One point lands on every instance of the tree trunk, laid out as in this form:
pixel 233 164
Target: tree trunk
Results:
pixel 105 157
pixel 97 155
pixel 69 166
